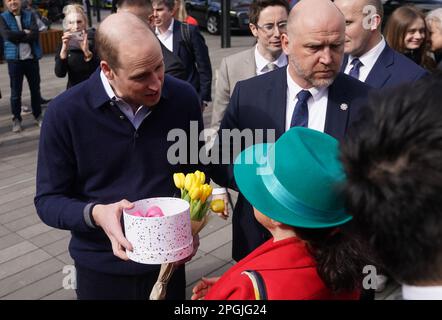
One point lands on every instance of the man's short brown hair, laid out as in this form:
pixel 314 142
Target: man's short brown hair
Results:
pixel 258 5
pixel 106 49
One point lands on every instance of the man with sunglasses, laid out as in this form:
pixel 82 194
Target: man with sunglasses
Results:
pixel 268 19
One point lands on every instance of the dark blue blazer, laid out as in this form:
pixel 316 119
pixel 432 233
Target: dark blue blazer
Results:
pixel 197 63
pixel 260 103
pixel 391 69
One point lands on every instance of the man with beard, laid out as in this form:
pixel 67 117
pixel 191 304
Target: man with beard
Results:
pixel 310 92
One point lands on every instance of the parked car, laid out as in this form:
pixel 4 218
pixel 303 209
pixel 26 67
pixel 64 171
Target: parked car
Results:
pixel 208 14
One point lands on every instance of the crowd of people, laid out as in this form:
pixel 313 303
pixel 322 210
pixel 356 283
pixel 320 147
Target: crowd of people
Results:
pixel 352 109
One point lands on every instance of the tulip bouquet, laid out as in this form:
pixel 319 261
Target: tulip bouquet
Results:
pixel 195 191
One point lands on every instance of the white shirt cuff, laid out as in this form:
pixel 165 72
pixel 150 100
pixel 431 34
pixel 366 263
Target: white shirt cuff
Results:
pixel 217 191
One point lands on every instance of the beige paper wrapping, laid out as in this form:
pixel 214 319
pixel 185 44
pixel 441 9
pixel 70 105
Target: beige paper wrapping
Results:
pixel 160 287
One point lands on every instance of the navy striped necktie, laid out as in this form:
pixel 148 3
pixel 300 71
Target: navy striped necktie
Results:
pixel 354 71
pixel 300 114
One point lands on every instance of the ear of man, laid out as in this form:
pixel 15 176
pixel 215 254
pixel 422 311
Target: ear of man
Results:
pixel 107 70
pixel 253 29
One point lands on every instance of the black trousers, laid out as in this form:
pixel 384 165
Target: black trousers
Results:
pixel 92 285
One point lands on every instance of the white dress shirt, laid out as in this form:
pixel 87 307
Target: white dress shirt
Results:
pixel 261 62
pixel 166 38
pixel 135 118
pixel 421 293
pixel 368 60
pixel 317 105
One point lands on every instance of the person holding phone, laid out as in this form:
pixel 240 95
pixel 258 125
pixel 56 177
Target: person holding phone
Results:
pixel 76 56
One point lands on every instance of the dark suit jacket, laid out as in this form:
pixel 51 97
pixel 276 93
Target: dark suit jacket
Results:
pixel 257 105
pixel 197 64
pixel 172 64
pixel 391 69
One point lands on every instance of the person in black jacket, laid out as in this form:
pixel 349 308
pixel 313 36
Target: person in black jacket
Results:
pixel 76 56
pixel 186 42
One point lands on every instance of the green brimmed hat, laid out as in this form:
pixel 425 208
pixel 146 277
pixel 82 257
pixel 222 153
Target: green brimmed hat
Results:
pixel 296 181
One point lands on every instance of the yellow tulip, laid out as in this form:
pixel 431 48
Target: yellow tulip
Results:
pixel 178 179
pixel 217 205
pixel 196 183
pixel 195 193
pixel 207 191
pixel 200 176
pixel 188 181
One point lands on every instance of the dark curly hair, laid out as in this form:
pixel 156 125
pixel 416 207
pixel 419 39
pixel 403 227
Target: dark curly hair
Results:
pixel 340 255
pixel 393 162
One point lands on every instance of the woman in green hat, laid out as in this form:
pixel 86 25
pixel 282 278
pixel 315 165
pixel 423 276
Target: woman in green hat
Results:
pixel 294 187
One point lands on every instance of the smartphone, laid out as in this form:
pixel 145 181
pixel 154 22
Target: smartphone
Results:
pixel 75 40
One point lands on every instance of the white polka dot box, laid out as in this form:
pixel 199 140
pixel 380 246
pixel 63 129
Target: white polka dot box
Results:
pixel 159 238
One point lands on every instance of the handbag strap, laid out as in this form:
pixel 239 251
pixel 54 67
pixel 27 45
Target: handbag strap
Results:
pixel 258 284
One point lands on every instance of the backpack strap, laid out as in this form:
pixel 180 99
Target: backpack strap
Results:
pixel 185 35
pixel 258 284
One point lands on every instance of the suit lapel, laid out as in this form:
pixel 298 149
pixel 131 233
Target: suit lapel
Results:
pixel 277 99
pixel 379 74
pixel 344 63
pixel 176 37
pixel 338 106
pixel 249 66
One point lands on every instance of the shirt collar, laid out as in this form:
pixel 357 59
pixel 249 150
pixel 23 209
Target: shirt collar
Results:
pixel 294 89
pixel 369 58
pixel 421 293
pixel 262 62
pixel 110 92
pixel 169 29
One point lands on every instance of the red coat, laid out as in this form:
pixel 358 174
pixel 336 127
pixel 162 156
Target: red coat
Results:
pixel 288 270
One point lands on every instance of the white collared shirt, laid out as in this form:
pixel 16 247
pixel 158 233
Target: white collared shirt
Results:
pixel 135 118
pixel 421 293
pixel 261 62
pixel 317 105
pixel 166 38
pixel 368 60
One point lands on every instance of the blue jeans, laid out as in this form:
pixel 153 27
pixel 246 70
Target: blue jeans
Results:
pixel 31 70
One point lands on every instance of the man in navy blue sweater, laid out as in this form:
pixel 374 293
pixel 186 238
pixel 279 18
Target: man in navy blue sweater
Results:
pixel 103 144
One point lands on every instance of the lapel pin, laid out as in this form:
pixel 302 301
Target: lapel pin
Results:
pixel 344 106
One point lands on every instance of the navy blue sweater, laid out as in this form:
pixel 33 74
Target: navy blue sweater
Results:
pixel 90 153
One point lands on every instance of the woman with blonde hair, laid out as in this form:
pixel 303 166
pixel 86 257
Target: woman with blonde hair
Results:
pixel 76 56
pixel 407 33
pixel 181 13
